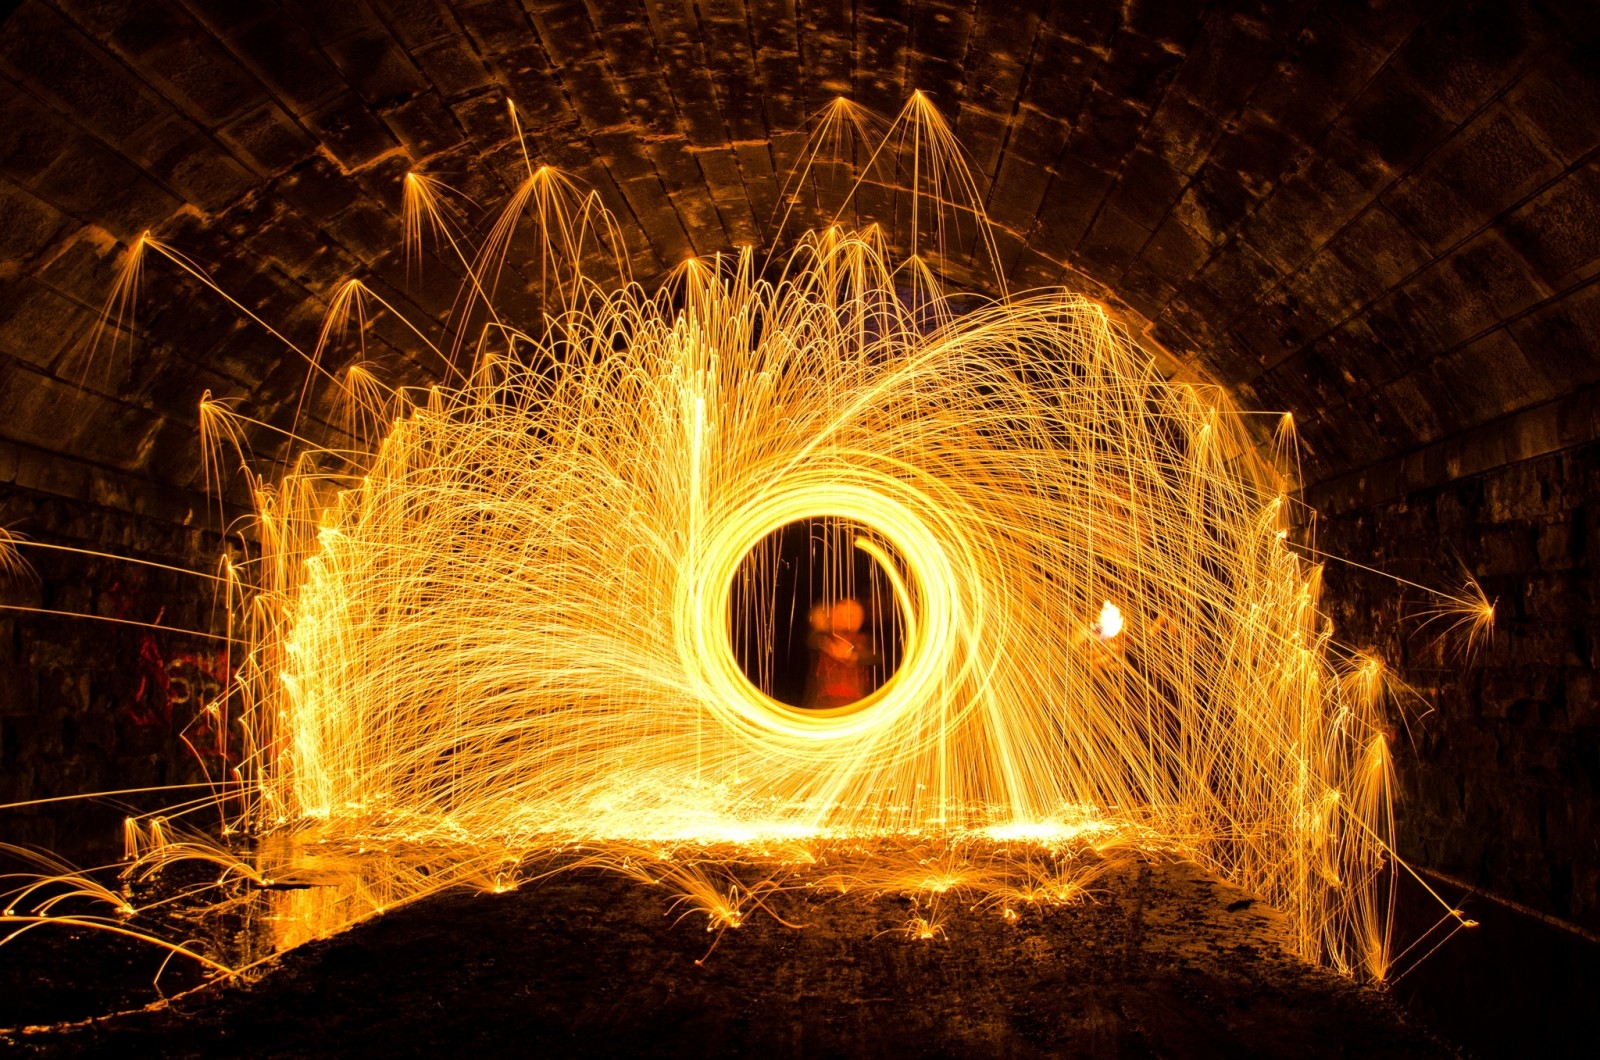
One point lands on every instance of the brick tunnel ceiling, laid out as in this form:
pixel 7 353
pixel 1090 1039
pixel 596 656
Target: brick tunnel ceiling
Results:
pixel 1379 220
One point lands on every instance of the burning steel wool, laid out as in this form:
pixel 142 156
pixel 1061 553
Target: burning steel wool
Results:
pixel 501 641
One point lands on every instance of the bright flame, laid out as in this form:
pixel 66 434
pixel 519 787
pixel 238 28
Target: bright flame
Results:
pixel 1109 624
pixel 504 632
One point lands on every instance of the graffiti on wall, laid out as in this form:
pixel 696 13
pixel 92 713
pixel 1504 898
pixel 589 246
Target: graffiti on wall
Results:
pixel 180 692
pixel 187 692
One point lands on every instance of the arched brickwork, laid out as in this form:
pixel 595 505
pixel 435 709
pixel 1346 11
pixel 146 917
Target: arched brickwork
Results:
pixel 1381 217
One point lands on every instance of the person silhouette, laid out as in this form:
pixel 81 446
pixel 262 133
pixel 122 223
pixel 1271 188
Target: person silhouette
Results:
pixel 841 655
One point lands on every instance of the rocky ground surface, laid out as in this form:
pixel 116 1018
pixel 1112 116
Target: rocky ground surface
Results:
pixel 1162 962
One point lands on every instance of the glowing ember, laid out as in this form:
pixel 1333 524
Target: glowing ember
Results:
pixel 501 636
pixel 1109 624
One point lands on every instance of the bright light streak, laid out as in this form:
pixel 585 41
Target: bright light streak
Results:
pixel 1109 624
pixel 503 634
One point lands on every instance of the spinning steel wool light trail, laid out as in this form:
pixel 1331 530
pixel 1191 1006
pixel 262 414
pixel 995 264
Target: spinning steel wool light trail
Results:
pixel 507 630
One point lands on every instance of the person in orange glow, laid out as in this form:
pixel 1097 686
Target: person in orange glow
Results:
pixel 841 655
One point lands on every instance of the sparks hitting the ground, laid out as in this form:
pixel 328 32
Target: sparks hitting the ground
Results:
pixel 499 640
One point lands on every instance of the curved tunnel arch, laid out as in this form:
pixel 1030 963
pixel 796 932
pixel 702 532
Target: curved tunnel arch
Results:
pixel 1384 223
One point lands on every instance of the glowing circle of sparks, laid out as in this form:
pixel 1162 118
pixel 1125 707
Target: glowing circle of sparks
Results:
pixel 931 624
pixel 497 624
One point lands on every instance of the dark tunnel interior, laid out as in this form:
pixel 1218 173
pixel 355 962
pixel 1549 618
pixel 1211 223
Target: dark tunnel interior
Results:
pixel 1379 216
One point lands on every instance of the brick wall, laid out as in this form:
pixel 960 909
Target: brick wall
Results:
pixel 88 705
pixel 1498 754
pixel 1383 218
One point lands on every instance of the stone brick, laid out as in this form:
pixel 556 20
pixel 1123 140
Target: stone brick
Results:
pixel 89 180
pixel 350 132
pixel 1558 230
pixel 27 226
pixel 1557 336
pixel 319 190
pixel 1325 69
pixel 1491 377
pixel 1237 276
pixel 424 125
pixel 1068 207
pixel 31 137
pixel 1395 120
pixel 880 42
pixel 1228 60
pixel 1464 53
pixel 283 55
pixel 416 23
pixel 380 72
pixel 193 69
pixel 452 67
pixel 191 164
pixel 41 326
pixel 1557 97
pixel 1058 74
pixel 1146 189
pixel 1481 172
pixel 45 50
pixel 268 140
pixel 1107 129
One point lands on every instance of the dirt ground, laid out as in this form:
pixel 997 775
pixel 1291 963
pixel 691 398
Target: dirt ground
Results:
pixel 1163 962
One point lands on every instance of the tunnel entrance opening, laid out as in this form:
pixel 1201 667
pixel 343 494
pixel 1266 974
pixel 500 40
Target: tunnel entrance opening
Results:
pixel 814 621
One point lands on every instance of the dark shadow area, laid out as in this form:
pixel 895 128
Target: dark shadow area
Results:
pixel 1163 962
pixel 1514 986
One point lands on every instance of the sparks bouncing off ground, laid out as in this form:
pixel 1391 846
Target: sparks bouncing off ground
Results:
pixel 499 640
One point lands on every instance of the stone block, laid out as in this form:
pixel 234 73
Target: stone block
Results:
pixel 31 136
pixel 1582 697
pixel 1325 68
pixel 378 69
pixel 1146 190
pixel 284 56
pixel 1229 58
pixel 1069 204
pixel 202 173
pixel 1108 127
pixel 1331 289
pixel 1558 96
pixel 1557 231
pixel 331 23
pixel 1491 377
pixel 202 77
pixel 1396 120
pixel 1175 253
pixel 1463 54
pixel 452 68
pixel 1214 204
pixel 1477 175
pixel 594 97
pixel 995 71
pixel 49 54
pixel 350 132
pixel 319 190
pixel 1111 244
pixel 1377 245
pixel 89 180
pixel 1237 276
pixel 267 140
pixel 417 23
pixel 1505 550
pixel 27 226
pixel 1018 191
pixel 1059 74
pixel 1182 132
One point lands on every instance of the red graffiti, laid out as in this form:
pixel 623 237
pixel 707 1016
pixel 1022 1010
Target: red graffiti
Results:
pixel 152 702
pixel 191 687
